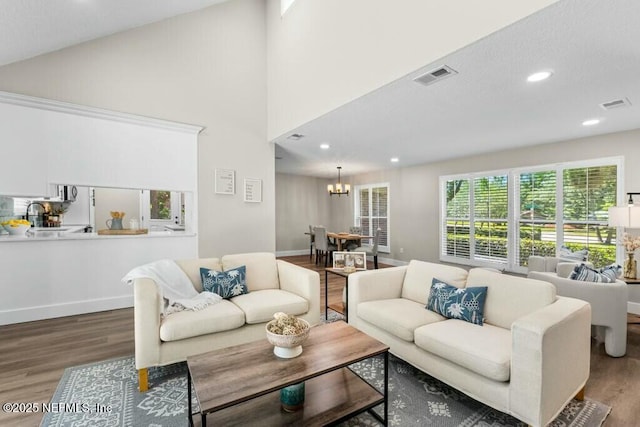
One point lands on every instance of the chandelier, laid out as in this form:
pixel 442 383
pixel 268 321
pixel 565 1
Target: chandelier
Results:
pixel 340 189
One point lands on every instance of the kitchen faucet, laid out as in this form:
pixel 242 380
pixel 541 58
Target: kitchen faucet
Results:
pixel 44 208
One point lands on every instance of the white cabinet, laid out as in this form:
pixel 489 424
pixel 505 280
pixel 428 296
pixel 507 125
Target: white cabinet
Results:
pixel 24 152
pixel 46 142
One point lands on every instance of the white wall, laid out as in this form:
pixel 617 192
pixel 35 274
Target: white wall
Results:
pixel 323 54
pixel 205 68
pixel 299 204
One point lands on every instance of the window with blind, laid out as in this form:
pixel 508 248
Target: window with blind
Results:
pixel 536 214
pixel 496 218
pixel 476 219
pixel 371 211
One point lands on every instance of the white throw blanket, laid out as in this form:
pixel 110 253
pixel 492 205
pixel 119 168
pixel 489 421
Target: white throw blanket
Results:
pixel 174 285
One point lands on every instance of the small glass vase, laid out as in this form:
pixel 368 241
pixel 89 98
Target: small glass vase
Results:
pixel 292 397
pixel 630 267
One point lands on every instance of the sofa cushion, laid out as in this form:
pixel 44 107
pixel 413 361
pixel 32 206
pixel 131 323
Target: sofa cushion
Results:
pixel 457 303
pixel 262 269
pixel 510 297
pixel 420 274
pixel 227 284
pixel 192 268
pixel 260 306
pixel 398 316
pixel 222 316
pixel 485 350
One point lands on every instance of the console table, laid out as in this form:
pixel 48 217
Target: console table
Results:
pixel 338 272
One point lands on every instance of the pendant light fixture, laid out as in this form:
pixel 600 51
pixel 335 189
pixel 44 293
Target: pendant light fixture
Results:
pixel 340 188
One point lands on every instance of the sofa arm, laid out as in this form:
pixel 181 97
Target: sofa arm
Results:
pixel 303 282
pixel 550 359
pixel 385 283
pixel 608 300
pixel 147 317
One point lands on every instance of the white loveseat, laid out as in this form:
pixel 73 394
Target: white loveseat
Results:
pixel 608 300
pixel 274 285
pixel 529 358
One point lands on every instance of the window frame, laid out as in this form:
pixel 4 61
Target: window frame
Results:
pixel 356 211
pixel 513 225
pixel 471 177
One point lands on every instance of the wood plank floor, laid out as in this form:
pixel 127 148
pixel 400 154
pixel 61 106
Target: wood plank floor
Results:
pixel 33 357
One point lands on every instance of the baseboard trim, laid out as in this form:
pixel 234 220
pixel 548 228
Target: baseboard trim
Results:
pixel 391 261
pixel 29 314
pixel 633 307
pixel 293 253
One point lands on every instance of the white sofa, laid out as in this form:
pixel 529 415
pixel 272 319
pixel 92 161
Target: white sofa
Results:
pixel 608 300
pixel 529 358
pixel 274 285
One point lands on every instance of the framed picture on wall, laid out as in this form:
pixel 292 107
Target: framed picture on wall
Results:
pixel 252 190
pixel 350 260
pixel 225 181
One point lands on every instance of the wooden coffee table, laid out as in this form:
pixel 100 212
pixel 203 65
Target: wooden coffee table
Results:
pixel 241 385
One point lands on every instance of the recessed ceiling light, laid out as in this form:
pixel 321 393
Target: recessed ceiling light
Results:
pixel 590 122
pixel 539 76
pixel 325 146
pixel 395 159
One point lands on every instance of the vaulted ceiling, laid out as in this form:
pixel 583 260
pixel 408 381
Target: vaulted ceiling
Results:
pixel 591 46
pixel 33 27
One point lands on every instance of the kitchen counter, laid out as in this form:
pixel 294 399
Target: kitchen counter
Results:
pixel 51 234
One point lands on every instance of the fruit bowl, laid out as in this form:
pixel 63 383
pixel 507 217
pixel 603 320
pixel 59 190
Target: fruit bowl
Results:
pixel 287 333
pixel 16 227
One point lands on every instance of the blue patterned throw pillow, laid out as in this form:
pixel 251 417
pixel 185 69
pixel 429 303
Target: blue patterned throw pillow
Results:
pixel 227 284
pixel 457 303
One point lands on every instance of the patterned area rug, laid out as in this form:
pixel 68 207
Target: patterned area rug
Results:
pixel 105 394
pixel 417 399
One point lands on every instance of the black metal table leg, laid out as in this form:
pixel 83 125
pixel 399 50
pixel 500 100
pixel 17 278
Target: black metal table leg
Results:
pixel 190 409
pixel 326 296
pixel 346 303
pixel 386 387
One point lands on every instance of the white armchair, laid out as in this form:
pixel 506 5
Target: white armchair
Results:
pixel 608 300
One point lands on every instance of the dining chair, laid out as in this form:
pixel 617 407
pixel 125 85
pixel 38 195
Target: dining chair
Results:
pixel 312 238
pixel 352 244
pixel 324 248
pixel 372 250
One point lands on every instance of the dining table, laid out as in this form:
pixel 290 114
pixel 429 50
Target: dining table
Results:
pixel 342 238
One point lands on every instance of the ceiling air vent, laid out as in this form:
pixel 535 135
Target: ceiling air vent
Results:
pixel 616 103
pixel 435 75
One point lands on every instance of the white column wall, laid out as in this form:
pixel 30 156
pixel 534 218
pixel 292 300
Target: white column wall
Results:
pixel 206 68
